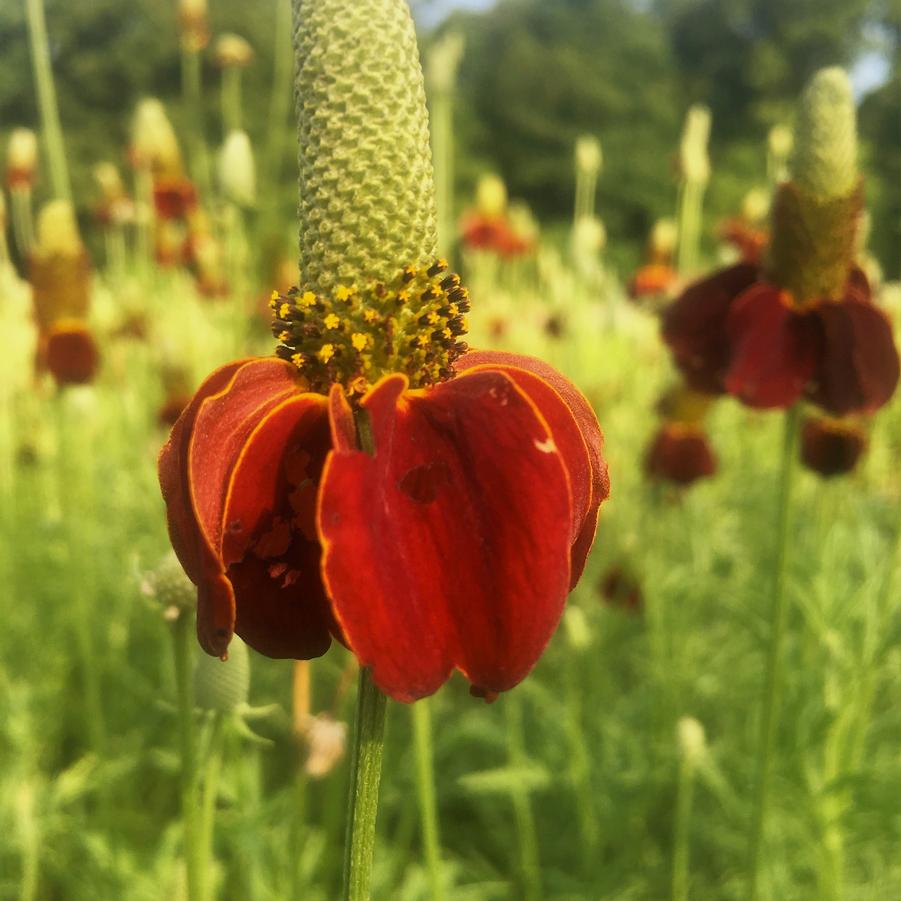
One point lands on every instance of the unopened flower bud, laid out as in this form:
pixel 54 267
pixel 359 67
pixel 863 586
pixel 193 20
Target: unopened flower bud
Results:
pixel 154 144
pixel 326 740
pixel 664 235
pixel 824 163
pixel 491 196
pixel 193 21
pixel 578 632
pixel 755 205
pixel 223 685
pixel 57 230
pixel 232 50
pixel 589 157
pixel 692 740
pixel 21 158
pixel 170 587
pixel 779 141
pixel 695 164
pixel 236 169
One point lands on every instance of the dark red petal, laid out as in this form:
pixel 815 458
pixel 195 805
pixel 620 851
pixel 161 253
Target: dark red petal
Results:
pixel 831 448
pixel 694 326
pixel 858 368
pixel 269 543
pixel 681 454
pixel 450 546
pixel 774 349
pixel 184 532
pixel 590 483
pixel 213 430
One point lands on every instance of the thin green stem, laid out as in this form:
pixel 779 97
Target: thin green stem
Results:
pixel 231 98
pixel 184 639
pixel 681 842
pixel 526 833
pixel 211 772
pixel 279 103
pixel 365 775
pixel 50 124
pixel 192 95
pixel 772 692
pixel 425 788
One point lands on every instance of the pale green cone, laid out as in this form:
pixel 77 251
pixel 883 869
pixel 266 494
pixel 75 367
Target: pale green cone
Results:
pixel 824 163
pixel 367 204
pixel 816 214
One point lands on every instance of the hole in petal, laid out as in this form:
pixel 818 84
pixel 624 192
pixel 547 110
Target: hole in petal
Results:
pixel 422 483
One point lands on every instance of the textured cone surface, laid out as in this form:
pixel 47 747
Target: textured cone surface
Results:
pixel 825 157
pixel 813 242
pixel 366 185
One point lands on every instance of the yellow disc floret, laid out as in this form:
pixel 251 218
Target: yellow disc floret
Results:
pixel 412 324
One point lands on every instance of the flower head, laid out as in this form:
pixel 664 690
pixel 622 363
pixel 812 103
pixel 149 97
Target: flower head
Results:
pixel 21 159
pixel 832 447
pixel 375 482
pixel 803 322
pixel 72 356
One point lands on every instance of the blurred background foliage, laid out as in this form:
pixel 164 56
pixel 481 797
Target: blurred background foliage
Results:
pixel 535 75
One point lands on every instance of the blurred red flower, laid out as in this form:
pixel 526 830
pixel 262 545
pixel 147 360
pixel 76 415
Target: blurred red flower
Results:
pixel 680 453
pixel 453 545
pixel 736 332
pixel 72 356
pixel 831 447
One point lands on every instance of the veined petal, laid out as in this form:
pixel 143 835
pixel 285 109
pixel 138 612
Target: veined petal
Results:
pixel 774 349
pixel 269 541
pixel 576 433
pixel 449 547
pixel 858 367
pixel 195 467
pixel 694 326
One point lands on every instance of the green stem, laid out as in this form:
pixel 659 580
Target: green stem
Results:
pixel 43 76
pixel 681 843
pixel 192 94
pixel 365 775
pixel 184 639
pixel 526 833
pixel 212 771
pixel 77 496
pixel 580 767
pixel 279 104
pixel 231 98
pixel 425 786
pixel 47 102
pixel 772 692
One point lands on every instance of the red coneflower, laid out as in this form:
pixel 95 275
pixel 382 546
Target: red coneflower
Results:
pixel 72 356
pixel 804 324
pixel 832 447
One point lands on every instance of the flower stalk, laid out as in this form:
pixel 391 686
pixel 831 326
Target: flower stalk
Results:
pixel 50 123
pixel 365 775
pixel 772 692
pixel 183 649
pixel 425 789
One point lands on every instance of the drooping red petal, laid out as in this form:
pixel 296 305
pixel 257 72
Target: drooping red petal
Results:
pixel 450 546
pixel 195 467
pixel 581 448
pixel 694 327
pixel 269 541
pixel 858 366
pixel 774 349
pixel 184 532
pixel 831 447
